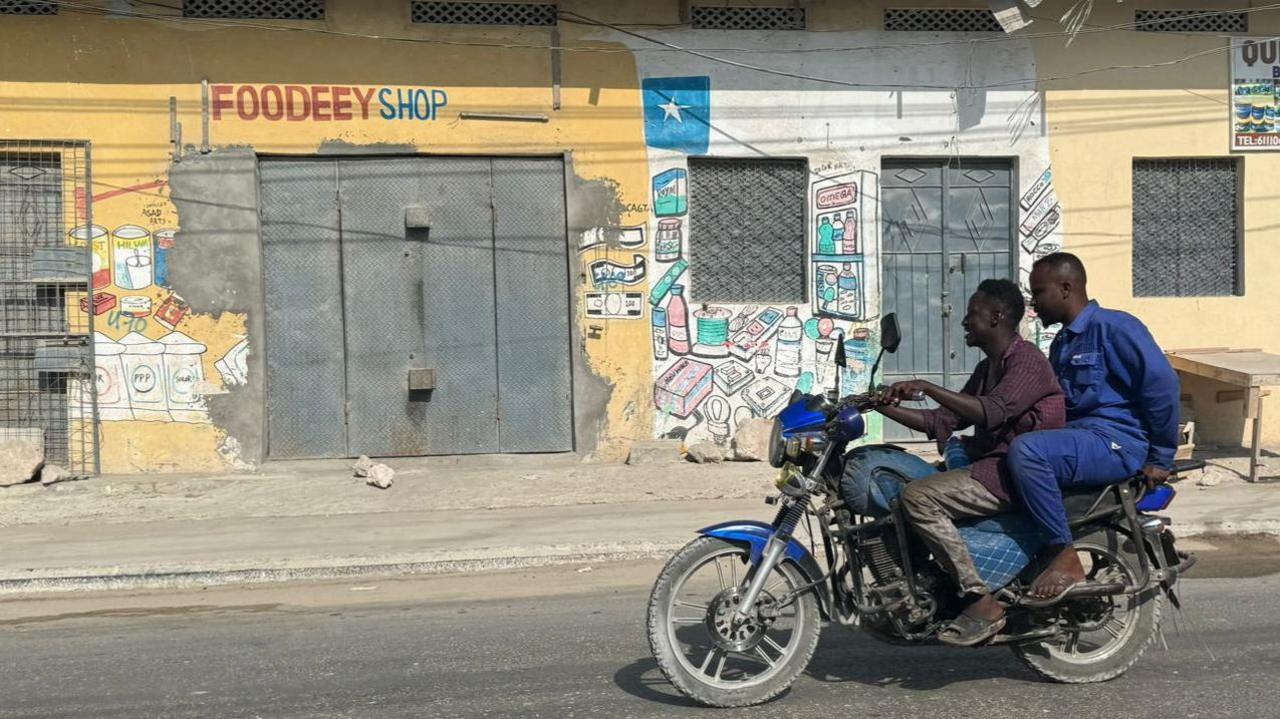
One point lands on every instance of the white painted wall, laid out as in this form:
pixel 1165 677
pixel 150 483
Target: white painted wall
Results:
pixel 842 130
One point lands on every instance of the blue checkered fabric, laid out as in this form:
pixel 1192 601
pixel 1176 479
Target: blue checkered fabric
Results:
pixel 1001 546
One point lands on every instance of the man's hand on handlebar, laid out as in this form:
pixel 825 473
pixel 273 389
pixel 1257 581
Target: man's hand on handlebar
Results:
pixel 912 390
pixel 1154 475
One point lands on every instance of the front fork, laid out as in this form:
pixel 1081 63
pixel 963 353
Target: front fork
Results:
pixel 793 509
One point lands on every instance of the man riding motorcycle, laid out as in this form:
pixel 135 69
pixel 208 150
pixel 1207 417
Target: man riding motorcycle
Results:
pixel 1122 413
pixel 1011 392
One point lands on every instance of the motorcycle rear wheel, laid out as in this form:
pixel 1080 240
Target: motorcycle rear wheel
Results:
pixel 1125 625
pixel 688 646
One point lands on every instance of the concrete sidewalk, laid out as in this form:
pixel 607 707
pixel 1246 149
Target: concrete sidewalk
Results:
pixel 312 520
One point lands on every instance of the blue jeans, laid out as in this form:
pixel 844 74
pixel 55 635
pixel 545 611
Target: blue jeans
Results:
pixel 1044 463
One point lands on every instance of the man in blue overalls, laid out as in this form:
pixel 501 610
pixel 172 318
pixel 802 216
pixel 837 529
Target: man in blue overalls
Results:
pixel 1122 413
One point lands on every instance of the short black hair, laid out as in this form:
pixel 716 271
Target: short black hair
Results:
pixel 1006 296
pixel 1064 263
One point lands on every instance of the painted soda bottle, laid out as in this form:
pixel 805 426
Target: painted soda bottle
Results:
pixel 851 232
pixel 677 322
pixel 837 233
pixel 847 299
pixel 826 237
pixel 786 355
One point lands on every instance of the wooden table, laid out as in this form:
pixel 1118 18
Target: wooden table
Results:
pixel 1251 370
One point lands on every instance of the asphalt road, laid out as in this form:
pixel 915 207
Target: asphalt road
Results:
pixel 565 643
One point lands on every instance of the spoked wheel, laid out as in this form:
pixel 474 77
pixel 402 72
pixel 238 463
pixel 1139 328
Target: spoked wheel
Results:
pixel 1104 635
pixel 708 655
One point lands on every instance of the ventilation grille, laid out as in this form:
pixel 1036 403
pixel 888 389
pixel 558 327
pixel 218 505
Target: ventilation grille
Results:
pixel 485 13
pixel 748 18
pixel 747 230
pixel 930 20
pixel 25 7
pixel 1186 232
pixel 1190 21
pixel 255 9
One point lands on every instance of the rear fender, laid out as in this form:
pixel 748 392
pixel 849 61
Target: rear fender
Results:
pixel 755 535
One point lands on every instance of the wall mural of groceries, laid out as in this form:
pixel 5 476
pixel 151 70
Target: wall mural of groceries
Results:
pixel 148 368
pixel 1255 94
pixel 718 365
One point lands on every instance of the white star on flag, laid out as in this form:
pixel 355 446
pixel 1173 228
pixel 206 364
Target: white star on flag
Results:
pixel 671 110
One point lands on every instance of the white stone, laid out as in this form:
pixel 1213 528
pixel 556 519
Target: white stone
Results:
pixel 706 452
pixel 54 473
pixel 362 466
pixel 21 454
pixel 751 443
pixel 380 476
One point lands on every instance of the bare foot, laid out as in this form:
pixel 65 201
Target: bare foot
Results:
pixel 1064 571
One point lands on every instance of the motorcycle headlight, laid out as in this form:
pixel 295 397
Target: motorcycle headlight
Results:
pixel 805 444
pixel 777 445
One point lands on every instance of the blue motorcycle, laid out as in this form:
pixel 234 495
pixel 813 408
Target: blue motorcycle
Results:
pixel 735 615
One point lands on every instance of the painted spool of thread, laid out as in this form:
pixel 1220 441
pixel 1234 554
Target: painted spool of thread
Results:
pixel 712 332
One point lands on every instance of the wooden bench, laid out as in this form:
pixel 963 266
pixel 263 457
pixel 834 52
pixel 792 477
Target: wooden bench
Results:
pixel 1249 369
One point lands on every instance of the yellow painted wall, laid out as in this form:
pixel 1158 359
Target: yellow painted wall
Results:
pixel 1100 121
pixel 109 80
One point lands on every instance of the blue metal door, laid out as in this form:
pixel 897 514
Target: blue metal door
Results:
pixel 948 225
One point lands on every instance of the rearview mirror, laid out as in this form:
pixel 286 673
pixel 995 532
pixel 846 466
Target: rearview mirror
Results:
pixel 890 333
pixel 841 359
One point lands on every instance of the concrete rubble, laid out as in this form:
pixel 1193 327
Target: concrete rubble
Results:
pixel 751 443
pixel 21 454
pixel 706 453
pixel 380 476
pixel 654 451
pixel 362 466
pixel 55 473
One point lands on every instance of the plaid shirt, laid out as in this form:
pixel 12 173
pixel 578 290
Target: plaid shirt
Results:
pixel 1026 397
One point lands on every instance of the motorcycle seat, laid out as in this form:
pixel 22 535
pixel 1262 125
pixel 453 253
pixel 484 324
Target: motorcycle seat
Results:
pixel 1082 501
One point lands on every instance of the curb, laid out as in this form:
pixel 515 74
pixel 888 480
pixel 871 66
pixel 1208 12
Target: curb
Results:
pixel 102 579
pixel 123 580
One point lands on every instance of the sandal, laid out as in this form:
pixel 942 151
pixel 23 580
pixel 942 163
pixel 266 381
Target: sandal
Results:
pixel 968 631
pixel 1061 582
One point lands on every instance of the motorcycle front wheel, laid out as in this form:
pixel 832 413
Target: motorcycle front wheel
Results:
pixel 708 656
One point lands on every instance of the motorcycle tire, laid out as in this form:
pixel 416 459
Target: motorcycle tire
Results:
pixel 1137 634
pixel 807 630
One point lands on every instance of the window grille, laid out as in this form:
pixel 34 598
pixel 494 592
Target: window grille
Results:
pixel 47 240
pixel 747 230
pixel 1186 232
pixel 27 7
pixel 706 17
pixel 1190 21
pixel 485 13
pixel 255 9
pixel 940 20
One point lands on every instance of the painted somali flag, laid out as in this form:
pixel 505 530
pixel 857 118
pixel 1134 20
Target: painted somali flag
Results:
pixel 677 113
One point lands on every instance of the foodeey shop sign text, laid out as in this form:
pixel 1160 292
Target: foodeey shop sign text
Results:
pixel 326 103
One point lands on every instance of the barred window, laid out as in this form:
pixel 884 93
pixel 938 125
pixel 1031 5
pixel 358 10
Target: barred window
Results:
pixel 1190 21
pixel 255 9
pixel 484 13
pixel 746 229
pixel 1186 228
pixel 940 20
pixel 27 7
pixel 708 17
